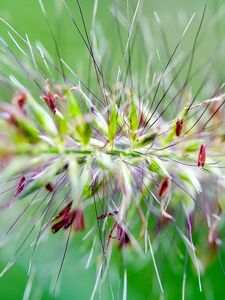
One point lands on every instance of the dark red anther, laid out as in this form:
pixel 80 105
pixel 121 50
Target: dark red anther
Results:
pixel 65 210
pixel 164 187
pixel 78 222
pixel 20 99
pixel 108 214
pixel 50 101
pixel 20 187
pixel 49 186
pixel 120 234
pixel 202 156
pixel 57 226
pixel 62 213
pixel 67 218
pixel 179 127
pixel 214 240
pixel 219 209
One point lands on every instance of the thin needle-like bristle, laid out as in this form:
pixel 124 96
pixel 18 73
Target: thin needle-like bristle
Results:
pixel 155 266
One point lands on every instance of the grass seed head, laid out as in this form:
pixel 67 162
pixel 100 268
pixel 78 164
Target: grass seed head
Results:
pixel 115 160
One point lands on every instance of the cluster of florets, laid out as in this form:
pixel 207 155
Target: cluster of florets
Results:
pixel 114 151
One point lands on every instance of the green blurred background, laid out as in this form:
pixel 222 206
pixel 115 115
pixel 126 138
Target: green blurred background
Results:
pixel 76 282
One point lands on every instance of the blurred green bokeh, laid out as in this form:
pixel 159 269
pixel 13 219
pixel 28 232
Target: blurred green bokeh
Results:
pixel 76 282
